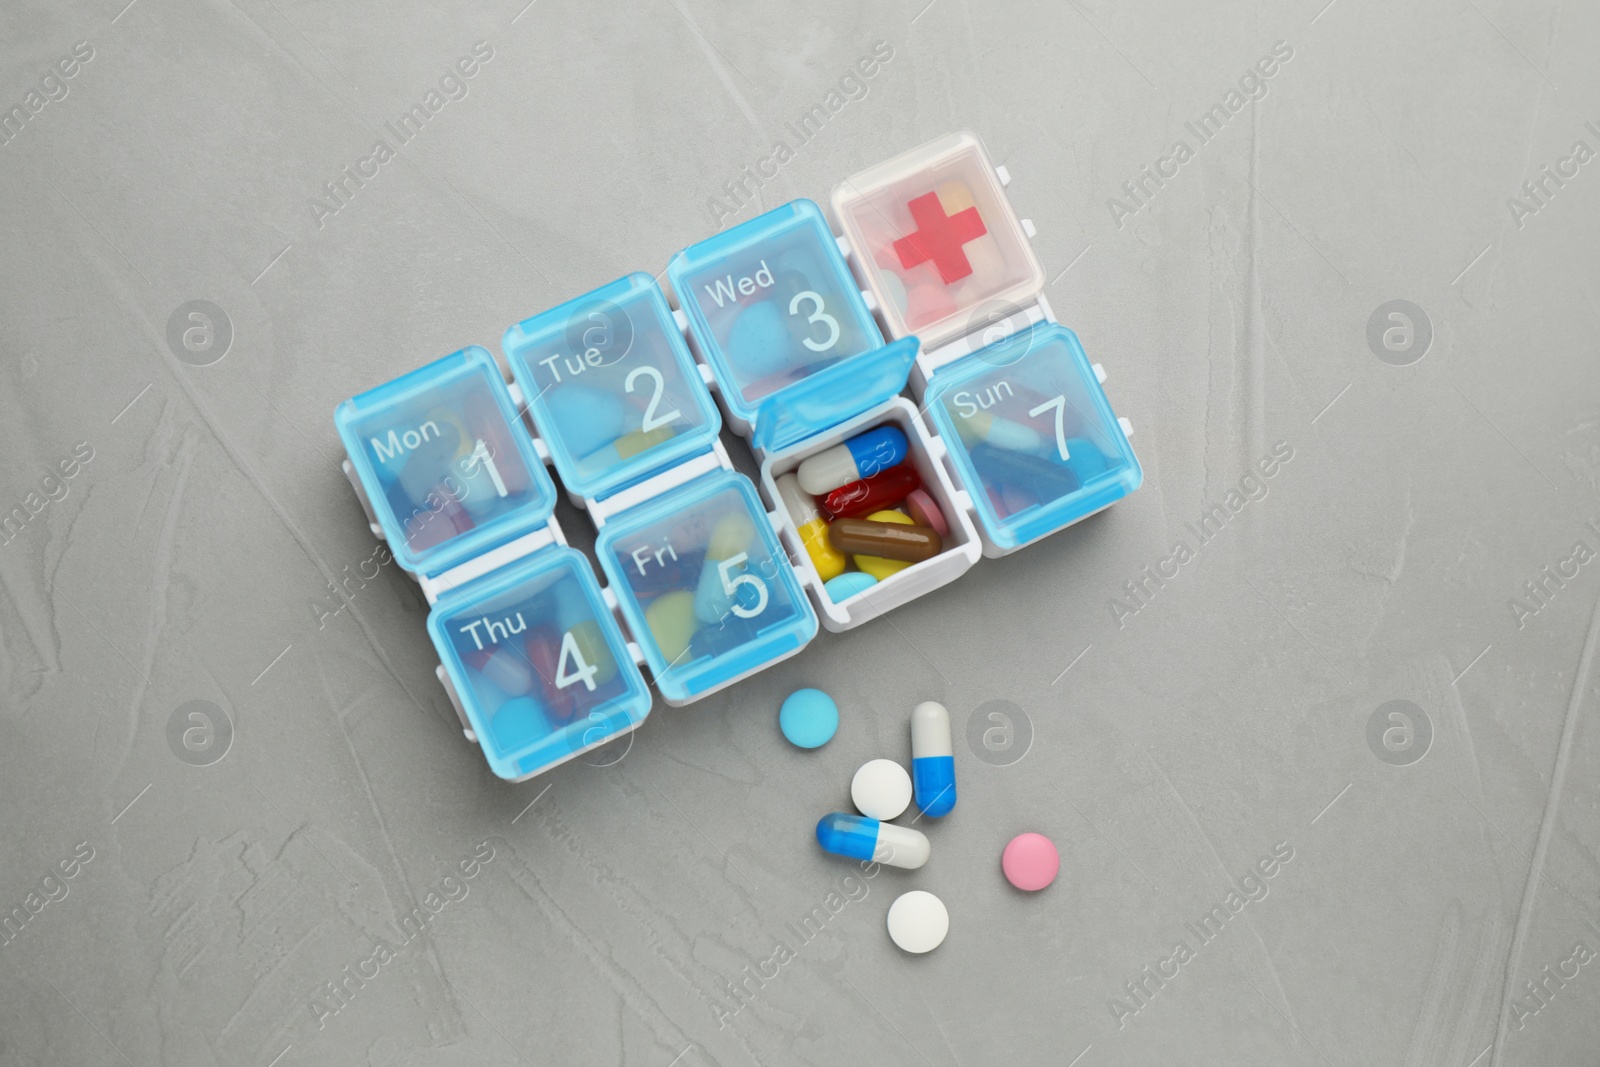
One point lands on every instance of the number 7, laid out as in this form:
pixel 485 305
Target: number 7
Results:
pixel 1060 404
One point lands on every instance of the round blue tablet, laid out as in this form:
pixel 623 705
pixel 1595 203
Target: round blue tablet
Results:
pixel 809 718
pixel 847 585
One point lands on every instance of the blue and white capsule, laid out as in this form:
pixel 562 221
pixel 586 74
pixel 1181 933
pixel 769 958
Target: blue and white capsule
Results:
pixel 861 456
pixel 861 838
pixel 933 760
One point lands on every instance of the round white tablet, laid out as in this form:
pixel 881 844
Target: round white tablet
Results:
pixel 918 921
pixel 881 789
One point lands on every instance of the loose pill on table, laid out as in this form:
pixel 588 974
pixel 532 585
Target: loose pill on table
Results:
pixel 808 718
pixel 812 527
pixel 933 761
pixel 881 789
pixel 861 456
pixel 925 511
pixel 890 540
pixel 881 567
pixel 918 921
pixel 861 838
pixel 866 495
pixel 1030 862
pixel 847 585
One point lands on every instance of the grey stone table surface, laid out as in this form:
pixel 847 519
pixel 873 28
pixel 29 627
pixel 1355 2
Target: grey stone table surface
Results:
pixel 242 826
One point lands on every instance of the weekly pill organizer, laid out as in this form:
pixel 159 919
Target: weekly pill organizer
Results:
pixel 812 342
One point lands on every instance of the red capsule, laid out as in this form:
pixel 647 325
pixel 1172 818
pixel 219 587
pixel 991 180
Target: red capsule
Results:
pixel 883 490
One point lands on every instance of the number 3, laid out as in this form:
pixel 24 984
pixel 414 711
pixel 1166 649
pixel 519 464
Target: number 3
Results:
pixel 817 315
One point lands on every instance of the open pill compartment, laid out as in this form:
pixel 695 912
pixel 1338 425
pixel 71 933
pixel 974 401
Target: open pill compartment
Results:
pixel 709 580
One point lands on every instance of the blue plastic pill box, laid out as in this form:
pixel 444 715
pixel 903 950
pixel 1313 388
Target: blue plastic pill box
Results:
pixel 709 582
pixel 536 662
pixel 444 465
pixel 612 387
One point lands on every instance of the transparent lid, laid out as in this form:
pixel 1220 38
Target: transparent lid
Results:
pixel 937 240
pixel 704 586
pixel 771 303
pixel 538 662
pixel 612 387
pixel 448 468
pixel 1032 434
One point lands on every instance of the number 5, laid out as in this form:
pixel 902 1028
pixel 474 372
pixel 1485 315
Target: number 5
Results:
pixel 1060 404
pixel 731 584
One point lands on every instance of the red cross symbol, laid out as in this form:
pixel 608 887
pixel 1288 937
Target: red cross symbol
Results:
pixel 939 238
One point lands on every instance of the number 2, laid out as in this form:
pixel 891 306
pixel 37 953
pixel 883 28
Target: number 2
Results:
pixel 1060 404
pixel 651 419
pixel 817 315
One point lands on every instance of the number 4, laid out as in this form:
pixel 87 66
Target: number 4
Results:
pixel 573 656
pixel 1060 404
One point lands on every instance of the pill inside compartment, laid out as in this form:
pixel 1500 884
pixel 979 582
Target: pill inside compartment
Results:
pixel 847 592
pixel 538 663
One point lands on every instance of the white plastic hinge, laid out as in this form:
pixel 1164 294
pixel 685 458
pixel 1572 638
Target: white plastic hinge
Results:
pixel 707 375
pixel 455 702
pixel 654 486
pixel 610 597
pixel 1028 228
pixel 844 246
pixel 870 300
pixel 541 450
pixel 962 500
pixel 775 521
pixel 937 448
pixel 681 319
pixel 1127 427
pixel 1005 178
pixel 518 401
pixel 479 565
pixel 636 653
pixel 1099 374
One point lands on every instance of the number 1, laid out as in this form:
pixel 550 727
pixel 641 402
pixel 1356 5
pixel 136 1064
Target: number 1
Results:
pixel 480 456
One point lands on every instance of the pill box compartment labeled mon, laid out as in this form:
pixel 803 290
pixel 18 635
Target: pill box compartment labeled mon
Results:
pixel 866 500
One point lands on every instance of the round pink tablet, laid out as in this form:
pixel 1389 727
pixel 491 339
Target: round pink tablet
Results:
pixel 1030 862
pixel 926 513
